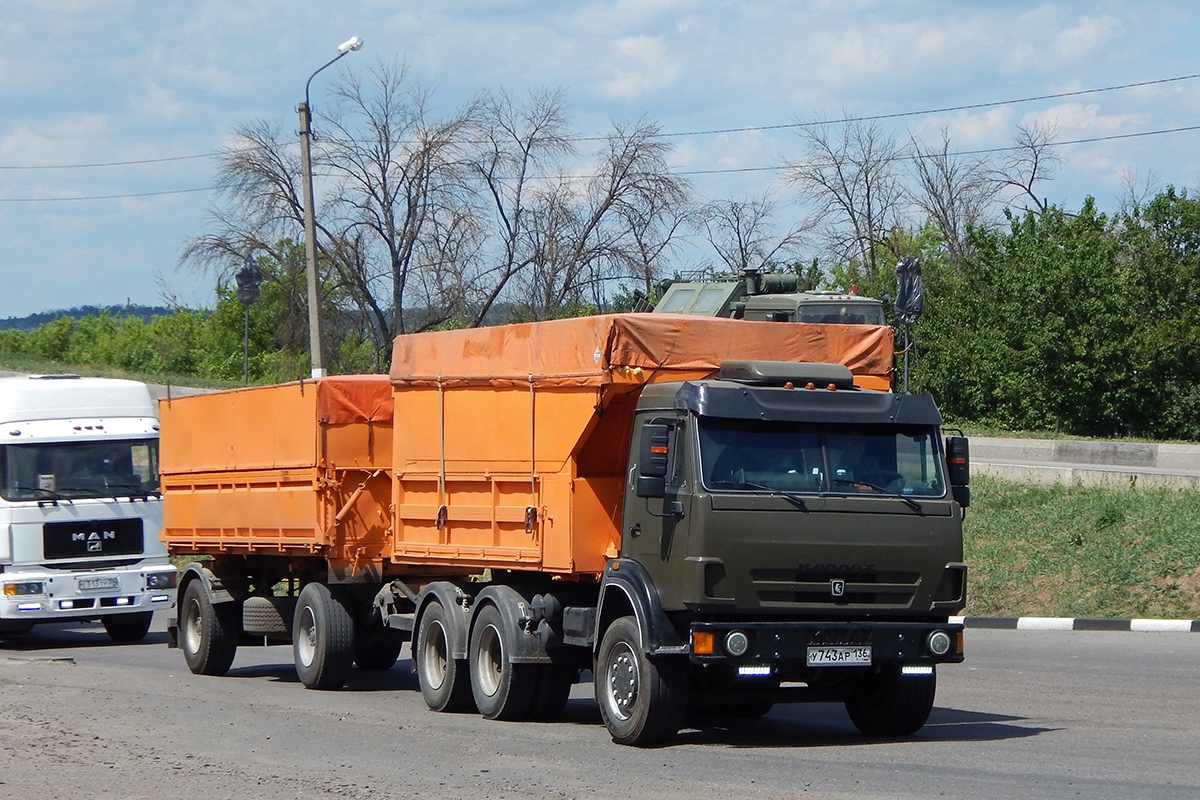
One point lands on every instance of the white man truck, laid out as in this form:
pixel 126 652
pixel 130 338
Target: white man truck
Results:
pixel 80 509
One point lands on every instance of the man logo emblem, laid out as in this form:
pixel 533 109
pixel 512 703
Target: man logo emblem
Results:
pixel 837 587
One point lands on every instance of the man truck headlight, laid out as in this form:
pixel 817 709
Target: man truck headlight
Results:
pixel 24 589
pixel 938 643
pixel 162 580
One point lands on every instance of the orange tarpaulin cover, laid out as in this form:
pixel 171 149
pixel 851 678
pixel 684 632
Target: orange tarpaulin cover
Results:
pixel 585 351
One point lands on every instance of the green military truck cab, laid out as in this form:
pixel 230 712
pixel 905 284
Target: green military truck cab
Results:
pixel 788 538
pixel 768 297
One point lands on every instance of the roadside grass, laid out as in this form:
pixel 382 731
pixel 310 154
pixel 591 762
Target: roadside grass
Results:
pixel 1074 551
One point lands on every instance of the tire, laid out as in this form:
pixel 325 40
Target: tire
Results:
pixel 322 638
pixel 642 701
pixel 208 633
pixel 888 703
pixel 445 681
pixel 128 627
pixel 376 647
pixel 502 689
pixel 554 683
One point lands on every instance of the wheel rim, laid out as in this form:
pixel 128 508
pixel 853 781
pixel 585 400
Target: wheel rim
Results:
pixel 306 643
pixel 193 626
pixel 435 656
pixel 623 680
pixel 490 661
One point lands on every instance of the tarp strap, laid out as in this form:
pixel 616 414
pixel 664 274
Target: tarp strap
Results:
pixel 532 461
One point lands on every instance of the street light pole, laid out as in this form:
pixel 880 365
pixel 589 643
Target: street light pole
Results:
pixel 310 223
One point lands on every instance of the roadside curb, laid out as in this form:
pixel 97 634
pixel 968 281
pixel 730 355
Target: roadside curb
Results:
pixel 1081 624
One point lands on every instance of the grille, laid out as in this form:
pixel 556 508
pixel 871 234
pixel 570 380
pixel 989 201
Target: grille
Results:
pixel 92 538
pixel 793 587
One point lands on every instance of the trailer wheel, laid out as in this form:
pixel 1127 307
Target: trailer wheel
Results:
pixel 208 633
pixel 889 703
pixel 641 701
pixel 128 627
pixel 502 689
pixel 322 638
pixel 445 681
pixel 554 683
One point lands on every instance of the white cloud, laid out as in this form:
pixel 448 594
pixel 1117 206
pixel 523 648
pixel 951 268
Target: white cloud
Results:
pixel 641 64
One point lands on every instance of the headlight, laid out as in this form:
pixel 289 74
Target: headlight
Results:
pixel 23 589
pixel 736 643
pixel 938 643
pixel 162 580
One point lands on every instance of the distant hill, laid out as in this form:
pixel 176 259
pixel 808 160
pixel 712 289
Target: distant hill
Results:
pixel 34 320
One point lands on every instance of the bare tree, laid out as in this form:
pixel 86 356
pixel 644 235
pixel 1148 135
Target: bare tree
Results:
pixel 567 238
pixel 1030 160
pixel 850 175
pixel 431 219
pixel 743 232
pixel 953 191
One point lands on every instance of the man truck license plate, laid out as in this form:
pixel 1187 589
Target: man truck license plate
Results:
pixel 97 583
pixel 839 656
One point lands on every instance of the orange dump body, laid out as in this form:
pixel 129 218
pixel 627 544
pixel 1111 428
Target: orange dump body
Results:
pixel 297 469
pixel 511 443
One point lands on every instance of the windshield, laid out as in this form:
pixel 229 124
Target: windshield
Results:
pixel 743 455
pixel 841 313
pixel 73 470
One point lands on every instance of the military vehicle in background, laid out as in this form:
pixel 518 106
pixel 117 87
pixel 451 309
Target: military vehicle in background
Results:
pixel 768 297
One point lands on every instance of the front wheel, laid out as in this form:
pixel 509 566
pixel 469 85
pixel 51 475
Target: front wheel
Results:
pixel 208 633
pixel 642 701
pixel 322 638
pixel 890 703
pixel 128 627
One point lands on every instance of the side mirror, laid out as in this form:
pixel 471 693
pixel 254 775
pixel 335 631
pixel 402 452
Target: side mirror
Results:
pixel 654 451
pixel 958 468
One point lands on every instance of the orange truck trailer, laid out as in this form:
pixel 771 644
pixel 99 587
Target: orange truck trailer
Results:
pixel 713 516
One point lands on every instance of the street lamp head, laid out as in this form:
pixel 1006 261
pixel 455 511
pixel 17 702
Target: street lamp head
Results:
pixel 353 43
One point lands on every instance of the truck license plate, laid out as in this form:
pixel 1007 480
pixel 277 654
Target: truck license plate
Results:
pixel 86 584
pixel 839 656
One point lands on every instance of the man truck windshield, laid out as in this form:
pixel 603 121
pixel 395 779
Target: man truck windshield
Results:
pixel 74 470
pixel 747 456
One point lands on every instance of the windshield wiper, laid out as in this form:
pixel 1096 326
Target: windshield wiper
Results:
pixel 913 504
pixel 795 499
pixel 49 493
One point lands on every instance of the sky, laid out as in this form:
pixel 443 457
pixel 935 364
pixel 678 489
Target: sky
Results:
pixel 111 111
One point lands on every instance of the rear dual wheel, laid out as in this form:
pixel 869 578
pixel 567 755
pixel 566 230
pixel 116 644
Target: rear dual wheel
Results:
pixel 445 681
pixel 502 689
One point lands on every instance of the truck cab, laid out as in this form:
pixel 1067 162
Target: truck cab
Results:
pixel 801 537
pixel 80 509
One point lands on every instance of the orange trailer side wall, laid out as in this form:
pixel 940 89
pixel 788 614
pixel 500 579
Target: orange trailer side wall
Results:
pixel 299 469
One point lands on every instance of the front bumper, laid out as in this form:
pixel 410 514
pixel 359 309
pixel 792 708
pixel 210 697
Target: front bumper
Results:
pixel 65 596
pixel 786 644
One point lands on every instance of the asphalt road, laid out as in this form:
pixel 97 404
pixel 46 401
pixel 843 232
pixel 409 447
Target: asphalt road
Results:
pixel 1031 714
